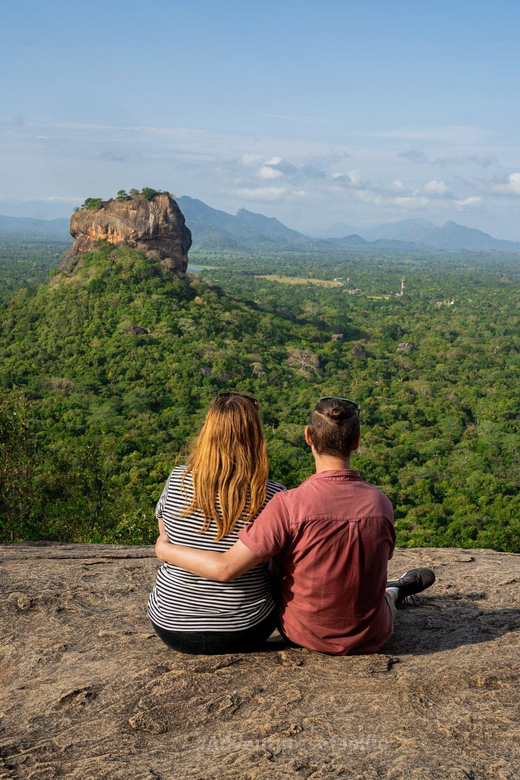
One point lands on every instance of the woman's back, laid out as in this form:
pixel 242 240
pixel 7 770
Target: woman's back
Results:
pixel 181 601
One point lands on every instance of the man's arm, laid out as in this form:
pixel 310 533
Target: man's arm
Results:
pixel 212 565
pixel 263 539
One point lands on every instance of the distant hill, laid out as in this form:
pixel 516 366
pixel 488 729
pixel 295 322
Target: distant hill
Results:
pixel 215 229
pixel 352 240
pixel 452 236
pixel 55 229
pixel 401 231
pixel 419 234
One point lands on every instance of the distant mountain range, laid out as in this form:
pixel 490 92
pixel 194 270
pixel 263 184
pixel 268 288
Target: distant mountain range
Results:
pixel 26 227
pixel 215 230
pixel 420 234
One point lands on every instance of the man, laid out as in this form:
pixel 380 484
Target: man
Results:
pixel 331 537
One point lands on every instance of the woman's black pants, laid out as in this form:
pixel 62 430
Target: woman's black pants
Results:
pixel 217 642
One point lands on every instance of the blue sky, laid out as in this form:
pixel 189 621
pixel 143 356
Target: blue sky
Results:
pixel 356 112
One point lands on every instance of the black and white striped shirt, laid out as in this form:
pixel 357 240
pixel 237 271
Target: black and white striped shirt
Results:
pixel 181 601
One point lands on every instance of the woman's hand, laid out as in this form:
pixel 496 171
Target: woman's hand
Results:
pixel 162 540
pixel 161 545
pixel 162 529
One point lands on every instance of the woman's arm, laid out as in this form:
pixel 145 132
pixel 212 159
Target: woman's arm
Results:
pixel 212 565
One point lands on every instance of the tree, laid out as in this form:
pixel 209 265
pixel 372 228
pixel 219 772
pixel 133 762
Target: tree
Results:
pixel 18 464
pixel 148 193
pixel 306 362
pixel 92 204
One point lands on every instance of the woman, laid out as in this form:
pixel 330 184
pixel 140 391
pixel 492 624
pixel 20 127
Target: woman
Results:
pixel 204 505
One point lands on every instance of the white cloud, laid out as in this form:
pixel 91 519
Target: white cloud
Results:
pixel 510 187
pixel 435 187
pixel 228 170
pixel 352 180
pixel 465 203
pixel 412 202
pixel 514 182
pixel 367 196
pixel 266 172
pixel 261 193
pixel 356 180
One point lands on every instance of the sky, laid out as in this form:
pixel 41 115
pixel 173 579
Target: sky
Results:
pixel 315 113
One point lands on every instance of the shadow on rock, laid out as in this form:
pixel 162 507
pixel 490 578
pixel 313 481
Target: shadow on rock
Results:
pixel 447 622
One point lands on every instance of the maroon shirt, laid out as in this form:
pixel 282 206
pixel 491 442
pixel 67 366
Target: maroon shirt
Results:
pixel 332 536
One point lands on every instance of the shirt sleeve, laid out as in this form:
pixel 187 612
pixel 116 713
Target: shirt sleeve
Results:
pixel 162 500
pixel 269 533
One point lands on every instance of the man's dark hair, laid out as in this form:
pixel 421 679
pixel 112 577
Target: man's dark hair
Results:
pixel 334 427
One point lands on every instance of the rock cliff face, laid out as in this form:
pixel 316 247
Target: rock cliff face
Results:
pixel 156 227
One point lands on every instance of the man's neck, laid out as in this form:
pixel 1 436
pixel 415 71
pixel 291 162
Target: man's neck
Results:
pixel 330 463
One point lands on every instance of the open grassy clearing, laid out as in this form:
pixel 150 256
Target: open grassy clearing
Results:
pixel 298 280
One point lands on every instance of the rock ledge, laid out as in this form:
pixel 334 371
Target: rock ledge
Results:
pixel 88 690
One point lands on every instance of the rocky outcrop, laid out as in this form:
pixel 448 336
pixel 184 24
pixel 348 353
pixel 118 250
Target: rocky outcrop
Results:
pixel 156 227
pixel 359 353
pixel 87 690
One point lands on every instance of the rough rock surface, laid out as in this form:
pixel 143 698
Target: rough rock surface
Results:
pixel 88 690
pixel 156 227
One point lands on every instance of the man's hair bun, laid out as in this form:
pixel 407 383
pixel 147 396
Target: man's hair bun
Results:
pixel 338 413
pixel 334 426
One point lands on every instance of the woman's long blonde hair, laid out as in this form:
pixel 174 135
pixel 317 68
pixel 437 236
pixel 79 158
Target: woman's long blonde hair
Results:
pixel 228 464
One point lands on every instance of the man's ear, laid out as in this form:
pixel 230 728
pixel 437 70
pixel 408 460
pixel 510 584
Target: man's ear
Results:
pixel 308 436
pixel 356 444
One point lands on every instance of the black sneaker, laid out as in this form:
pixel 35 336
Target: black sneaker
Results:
pixel 414 581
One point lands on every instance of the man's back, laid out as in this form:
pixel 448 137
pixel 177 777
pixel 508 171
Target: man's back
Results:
pixel 332 536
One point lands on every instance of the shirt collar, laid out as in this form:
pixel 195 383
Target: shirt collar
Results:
pixel 336 474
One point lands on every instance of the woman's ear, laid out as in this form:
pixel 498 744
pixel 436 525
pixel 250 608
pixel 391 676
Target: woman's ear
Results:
pixel 308 436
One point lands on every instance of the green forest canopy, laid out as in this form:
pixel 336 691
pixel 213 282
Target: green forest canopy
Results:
pixel 106 376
